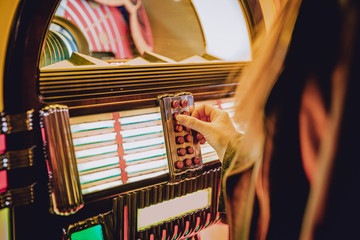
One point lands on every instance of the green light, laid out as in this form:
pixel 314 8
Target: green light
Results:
pixel 92 233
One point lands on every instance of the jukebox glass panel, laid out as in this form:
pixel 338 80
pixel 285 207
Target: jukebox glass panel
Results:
pixel 113 149
pixel 126 32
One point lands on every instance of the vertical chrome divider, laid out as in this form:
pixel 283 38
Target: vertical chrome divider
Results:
pixel 65 189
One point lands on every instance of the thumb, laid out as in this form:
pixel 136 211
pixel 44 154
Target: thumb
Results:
pixel 193 123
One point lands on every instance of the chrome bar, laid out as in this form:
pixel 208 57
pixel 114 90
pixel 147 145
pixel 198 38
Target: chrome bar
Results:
pixel 65 189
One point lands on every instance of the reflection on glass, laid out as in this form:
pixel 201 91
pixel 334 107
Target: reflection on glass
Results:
pixel 161 212
pixel 100 148
pixel 149 31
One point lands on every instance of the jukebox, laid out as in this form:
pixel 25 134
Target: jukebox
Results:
pixel 89 146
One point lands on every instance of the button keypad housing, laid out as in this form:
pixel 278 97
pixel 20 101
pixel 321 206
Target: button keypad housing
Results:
pixel 182 146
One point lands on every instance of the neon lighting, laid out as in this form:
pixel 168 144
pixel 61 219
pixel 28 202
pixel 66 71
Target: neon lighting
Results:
pixel 101 187
pixel 197 224
pixel 146 166
pixel 161 212
pixel 140 119
pixel 4 223
pixel 208 220
pixel 141 131
pixel 94 233
pixel 3 181
pixel 147 176
pixel 98 164
pixel 145 155
pixel 163 237
pixel 126 222
pixel 2 143
pixel 96 151
pixel 207 149
pixel 143 143
pixel 209 159
pixel 92 126
pixel 187 228
pixel 176 228
pixel 99 175
pixel 94 139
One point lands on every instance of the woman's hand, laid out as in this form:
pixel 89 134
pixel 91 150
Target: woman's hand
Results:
pixel 214 124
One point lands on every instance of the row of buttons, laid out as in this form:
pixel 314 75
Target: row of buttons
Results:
pixel 187 162
pixel 182 103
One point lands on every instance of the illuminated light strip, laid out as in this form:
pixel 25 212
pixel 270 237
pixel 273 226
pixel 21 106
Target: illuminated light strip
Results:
pixel 3 181
pixel 94 233
pixel 164 211
pixel 146 166
pixel 207 150
pixel 96 151
pixel 145 155
pixel 126 222
pixel 102 187
pixel 141 131
pixel 140 119
pixel 143 143
pixel 147 176
pixel 92 177
pixel 94 139
pixel 197 226
pixel 97 164
pixel 91 126
pixel 210 159
pixel 120 148
pixel 108 137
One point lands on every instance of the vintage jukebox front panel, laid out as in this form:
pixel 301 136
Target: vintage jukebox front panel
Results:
pixel 84 151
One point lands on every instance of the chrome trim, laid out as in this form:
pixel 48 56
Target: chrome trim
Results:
pixel 65 189
pixel 17 122
pixel 17 159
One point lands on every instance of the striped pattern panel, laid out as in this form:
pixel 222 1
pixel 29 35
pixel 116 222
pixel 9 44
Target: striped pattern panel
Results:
pixel 65 85
pixel 126 208
pixel 118 148
pixel 103 26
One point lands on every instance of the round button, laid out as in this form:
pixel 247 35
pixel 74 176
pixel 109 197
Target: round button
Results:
pixel 175 104
pixel 178 128
pixel 188 138
pixel 196 160
pixel 190 150
pixel 184 103
pixel 180 140
pixel 186 128
pixel 181 151
pixel 199 136
pixel 188 162
pixel 186 113
pixel 202 141
pixel 179 164
pixel 174 116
